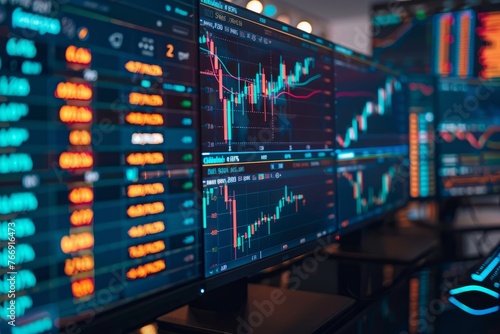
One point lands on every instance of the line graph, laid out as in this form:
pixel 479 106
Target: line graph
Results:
pixel 259 95
pixel 379 103
pixel 479 143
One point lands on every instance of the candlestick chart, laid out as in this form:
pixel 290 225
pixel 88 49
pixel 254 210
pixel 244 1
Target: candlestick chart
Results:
pixel 249 221
pixel 379 104
pixel 275 95
pixel 469 142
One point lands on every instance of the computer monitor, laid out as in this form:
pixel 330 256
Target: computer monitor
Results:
pixel 468 140
pixel 450 36
pixel 267 141
pixel 99 163
pixel 371 140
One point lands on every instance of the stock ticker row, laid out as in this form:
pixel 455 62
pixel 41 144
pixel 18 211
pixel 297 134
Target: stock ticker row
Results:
pixel 159 143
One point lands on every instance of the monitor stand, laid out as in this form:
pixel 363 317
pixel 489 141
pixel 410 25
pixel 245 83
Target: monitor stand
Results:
pixel 245 308
pixel 389 245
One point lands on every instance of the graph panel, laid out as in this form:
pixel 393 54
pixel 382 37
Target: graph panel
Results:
pixel 268 150
pixel 258 214
pixel 370 105
pixel 370 187
pixel 262 88
pixel 469 138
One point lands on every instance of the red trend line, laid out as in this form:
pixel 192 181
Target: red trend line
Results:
pixel 424 89
pixel 356 94
pixel 469 137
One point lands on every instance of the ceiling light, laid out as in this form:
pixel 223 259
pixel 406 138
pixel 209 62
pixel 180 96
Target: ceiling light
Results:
pixel 255 6
pixel 305 26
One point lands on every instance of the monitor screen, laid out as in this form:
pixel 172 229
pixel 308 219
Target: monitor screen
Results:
pixel 465 43
pixel 267 129
pixel 469 137
pixel 454 40
pixel 98 155
pixel 371 138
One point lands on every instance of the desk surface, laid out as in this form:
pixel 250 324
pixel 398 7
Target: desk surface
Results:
pixel 392 298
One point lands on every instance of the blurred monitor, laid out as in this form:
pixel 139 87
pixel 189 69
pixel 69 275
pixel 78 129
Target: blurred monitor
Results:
pixel 371 140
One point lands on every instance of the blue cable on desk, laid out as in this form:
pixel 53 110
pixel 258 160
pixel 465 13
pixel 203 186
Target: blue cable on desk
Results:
pixel 474 288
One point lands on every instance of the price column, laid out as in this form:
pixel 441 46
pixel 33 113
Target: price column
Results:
pixel 76 113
